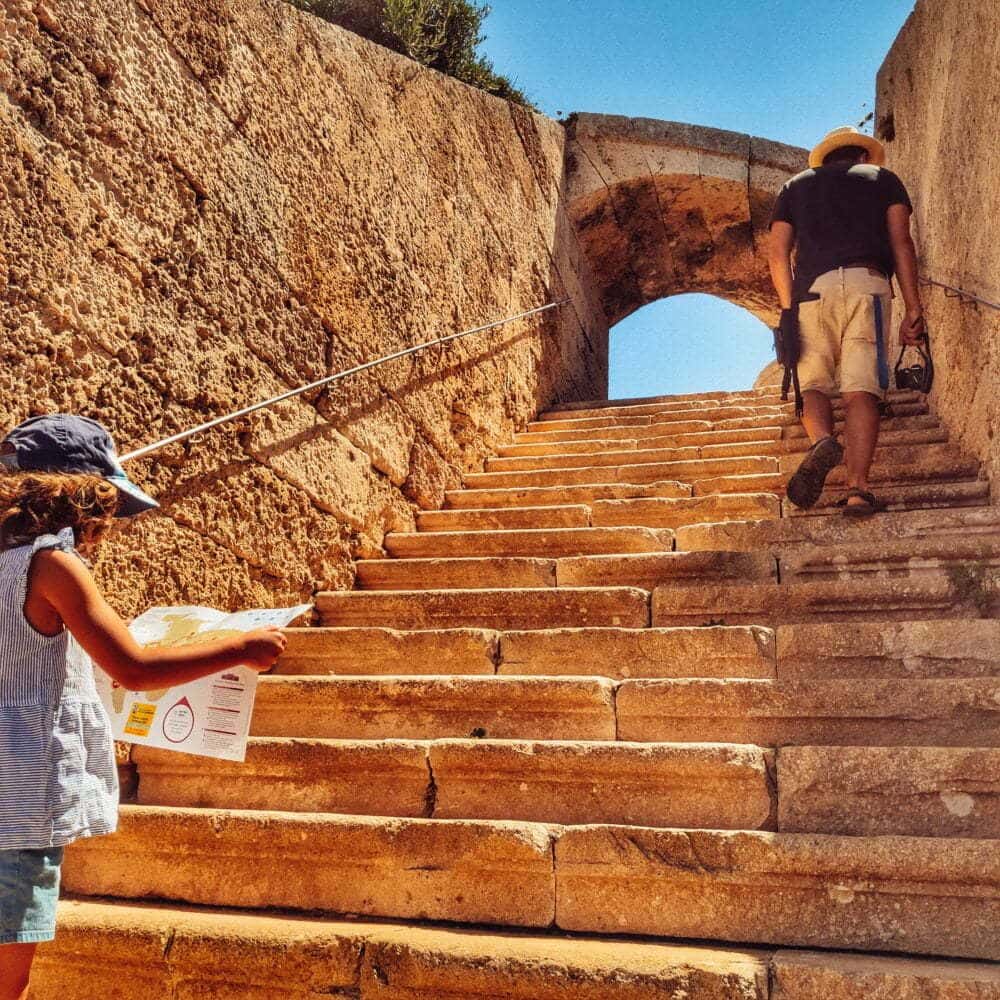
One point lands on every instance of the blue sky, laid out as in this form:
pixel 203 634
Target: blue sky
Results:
pixel 783 69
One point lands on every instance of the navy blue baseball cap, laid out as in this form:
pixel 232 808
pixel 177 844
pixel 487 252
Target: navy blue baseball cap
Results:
pixel 64 442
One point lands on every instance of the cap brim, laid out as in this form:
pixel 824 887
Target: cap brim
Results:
pixel 133 500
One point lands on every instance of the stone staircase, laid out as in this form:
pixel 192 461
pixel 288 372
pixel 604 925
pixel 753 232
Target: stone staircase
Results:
pixel 618 723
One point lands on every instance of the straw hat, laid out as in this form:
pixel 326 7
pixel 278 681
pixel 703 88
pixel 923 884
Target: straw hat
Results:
pixel 848 136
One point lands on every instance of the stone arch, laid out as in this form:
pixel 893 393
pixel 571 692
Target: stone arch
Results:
pixel 663 208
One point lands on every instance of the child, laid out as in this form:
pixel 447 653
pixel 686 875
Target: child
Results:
pixel 61 490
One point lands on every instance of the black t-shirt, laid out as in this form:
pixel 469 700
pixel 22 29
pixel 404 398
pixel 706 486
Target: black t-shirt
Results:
pixel 839 216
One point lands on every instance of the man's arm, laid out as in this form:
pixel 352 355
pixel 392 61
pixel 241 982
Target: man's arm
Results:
pixel 904 254
pixel 779 258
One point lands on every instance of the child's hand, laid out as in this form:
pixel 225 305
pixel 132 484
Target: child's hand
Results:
pixel 262 647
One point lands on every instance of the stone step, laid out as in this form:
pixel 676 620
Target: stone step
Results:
pixel 909 415
pixel 717 786
pixel 489 573
pixel 740 651
pixel 562 607
pixel 645 570
pixel 127 951
pixel 530 496
pixel 503 519
pixel 359 651
pixel 698 404
pixel 777 536
pixel 662 512
pixel 905 464
pixel 800 975
pixel 644 472
pixel 411 869
pixel 908 496
pixel 427 708
pixel 713 444
pixel 850 599
pixel 768 395
pixel 543 542
pixel 922 649
pixel 880 791
pixel 888 444
pixel 670 568
pixel 903 894
pixel 353 777
pixel 877 712
pixel 117 949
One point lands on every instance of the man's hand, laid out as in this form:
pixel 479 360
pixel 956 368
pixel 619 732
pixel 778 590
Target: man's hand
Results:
pixel 912 329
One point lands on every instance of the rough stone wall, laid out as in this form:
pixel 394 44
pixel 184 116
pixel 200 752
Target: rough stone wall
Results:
pixel 937 112
pixel 206 202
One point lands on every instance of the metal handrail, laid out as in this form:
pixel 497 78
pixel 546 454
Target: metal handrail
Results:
pixel 960 293
pixel 319 383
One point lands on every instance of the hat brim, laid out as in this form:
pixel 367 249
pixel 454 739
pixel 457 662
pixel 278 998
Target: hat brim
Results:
pixel 133 500
pixel 876 151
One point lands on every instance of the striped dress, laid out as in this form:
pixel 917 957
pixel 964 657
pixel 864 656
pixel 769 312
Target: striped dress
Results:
pixel 58 780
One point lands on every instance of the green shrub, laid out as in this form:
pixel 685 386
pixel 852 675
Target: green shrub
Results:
pixel 442 34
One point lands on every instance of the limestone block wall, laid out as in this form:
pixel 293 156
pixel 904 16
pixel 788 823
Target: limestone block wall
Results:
pixel 937 111
pixel 206 202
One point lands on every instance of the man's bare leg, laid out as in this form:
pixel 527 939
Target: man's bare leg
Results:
pixel 861 436
pixel 817 415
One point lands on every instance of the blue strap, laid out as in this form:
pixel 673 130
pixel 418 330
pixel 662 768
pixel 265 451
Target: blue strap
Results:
pixel 883 361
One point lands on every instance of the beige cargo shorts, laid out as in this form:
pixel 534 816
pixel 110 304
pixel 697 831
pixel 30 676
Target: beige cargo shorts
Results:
pixel 844 333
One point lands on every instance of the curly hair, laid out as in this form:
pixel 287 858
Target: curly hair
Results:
pixel 44 503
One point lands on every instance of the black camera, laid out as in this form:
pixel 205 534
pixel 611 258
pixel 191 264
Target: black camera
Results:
pixel 919 376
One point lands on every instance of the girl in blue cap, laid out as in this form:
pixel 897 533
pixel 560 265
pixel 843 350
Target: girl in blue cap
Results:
pixel 62 488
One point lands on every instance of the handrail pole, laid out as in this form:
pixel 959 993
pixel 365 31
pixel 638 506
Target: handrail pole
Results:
pixel 319 383
pixel 960 293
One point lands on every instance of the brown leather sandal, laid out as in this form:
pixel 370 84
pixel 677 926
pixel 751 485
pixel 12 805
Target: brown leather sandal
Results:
pixel 870 505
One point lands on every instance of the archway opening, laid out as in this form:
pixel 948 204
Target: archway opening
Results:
pixel 687 343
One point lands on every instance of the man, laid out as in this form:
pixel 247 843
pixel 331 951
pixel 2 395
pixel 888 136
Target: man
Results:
pixel 848 219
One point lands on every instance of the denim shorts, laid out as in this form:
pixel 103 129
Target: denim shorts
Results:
pixel 29 892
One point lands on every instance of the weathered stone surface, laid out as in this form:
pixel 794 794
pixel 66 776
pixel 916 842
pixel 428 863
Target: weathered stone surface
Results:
pixel 814 976
pixel 911 527
pixel 379 778
pixel 848 599
pixel 922 791
pixel 129 952
pixel 889 649
pixel 503 519
pixel 497 873
pixel 956 713
pixel 716 787
pixel 935 102
pixel 664 569
pixel 456 574
pixel 552 543
pixel 138 953
pixel 408 963
pixel 906 894
pixel 528 497
pixel 197 218
pixel 358 708
pixel 646 472
pixel 742 651
pixel 386 651
pixel 554 607
pixel 663 513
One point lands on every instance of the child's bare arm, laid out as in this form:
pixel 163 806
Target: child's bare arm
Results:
pixel 64 583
